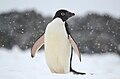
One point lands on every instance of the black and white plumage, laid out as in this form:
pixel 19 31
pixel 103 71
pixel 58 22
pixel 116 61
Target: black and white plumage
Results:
pixel 58 41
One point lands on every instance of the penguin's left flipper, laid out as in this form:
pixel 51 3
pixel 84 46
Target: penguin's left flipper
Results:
pixel 37 45
pixel 74 45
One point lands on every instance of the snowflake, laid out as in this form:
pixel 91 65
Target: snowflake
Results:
pixel 22 32
pixel 44 21
pixel 3 45
pixel 98 44
pixel 21 25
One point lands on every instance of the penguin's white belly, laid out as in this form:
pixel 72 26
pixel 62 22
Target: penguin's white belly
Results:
pixel 57 47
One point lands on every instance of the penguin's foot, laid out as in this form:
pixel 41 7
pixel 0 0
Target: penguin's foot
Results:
pixel 77 73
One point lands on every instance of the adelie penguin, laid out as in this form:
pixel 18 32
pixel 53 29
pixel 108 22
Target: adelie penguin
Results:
pixel 58 44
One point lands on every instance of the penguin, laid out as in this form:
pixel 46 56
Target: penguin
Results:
pixel 58 44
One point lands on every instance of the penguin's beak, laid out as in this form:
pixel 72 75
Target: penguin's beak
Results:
pixel 72 14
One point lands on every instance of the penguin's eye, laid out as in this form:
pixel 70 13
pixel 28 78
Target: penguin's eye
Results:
pixel 63 14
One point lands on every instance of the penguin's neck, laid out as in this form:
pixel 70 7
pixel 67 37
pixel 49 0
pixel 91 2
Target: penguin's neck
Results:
pixel 58 20
pixel 56 27
pixel 57 24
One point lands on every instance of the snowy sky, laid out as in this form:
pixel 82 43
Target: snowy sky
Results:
pixel 48 7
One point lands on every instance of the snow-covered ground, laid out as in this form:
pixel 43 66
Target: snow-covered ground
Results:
pixel 17 64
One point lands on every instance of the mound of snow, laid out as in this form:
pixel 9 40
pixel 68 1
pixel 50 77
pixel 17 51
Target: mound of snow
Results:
pixel 17 64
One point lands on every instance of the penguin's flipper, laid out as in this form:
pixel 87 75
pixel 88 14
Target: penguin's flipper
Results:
pixel 37 45
pixel 75 47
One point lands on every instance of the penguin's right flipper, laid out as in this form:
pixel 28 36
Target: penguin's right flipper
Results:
pixel 74 45
pixel 37 45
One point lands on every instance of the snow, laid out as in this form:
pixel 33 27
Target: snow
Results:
pixel 17 64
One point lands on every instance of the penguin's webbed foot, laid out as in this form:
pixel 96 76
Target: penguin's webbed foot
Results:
pixel 77 73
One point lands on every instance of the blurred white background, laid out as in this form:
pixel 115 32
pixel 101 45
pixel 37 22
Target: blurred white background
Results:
pixel 50 6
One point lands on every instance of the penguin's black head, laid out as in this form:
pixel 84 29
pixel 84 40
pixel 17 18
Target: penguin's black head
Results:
pixel 63 14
